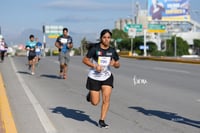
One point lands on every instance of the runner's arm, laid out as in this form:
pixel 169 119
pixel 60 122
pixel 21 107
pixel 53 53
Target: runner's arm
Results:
pixel 87 62
pixel 57 44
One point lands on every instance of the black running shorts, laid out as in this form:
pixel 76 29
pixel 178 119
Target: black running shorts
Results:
pixel 96 85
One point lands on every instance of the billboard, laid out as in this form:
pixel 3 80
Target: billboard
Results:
pixel 53 31
pixel 168 10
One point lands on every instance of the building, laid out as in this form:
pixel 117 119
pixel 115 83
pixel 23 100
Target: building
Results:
pixel 120 24
pixel 186 30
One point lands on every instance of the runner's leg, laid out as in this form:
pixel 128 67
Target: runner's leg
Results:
pixel 106 93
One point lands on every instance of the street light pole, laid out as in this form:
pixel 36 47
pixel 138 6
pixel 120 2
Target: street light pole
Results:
pixel 44 40
pixel 132 7
pixel 131 51
pixel 145 34
pixel 175 45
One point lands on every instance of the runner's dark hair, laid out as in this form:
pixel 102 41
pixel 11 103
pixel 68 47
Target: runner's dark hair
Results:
pixel 65 29
pixel 92 44
pixel 104 31
pixel 31 36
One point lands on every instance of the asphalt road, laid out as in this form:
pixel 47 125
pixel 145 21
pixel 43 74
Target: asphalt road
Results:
pixel 148 97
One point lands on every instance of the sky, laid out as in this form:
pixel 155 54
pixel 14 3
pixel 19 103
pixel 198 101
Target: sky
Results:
pixel 79 16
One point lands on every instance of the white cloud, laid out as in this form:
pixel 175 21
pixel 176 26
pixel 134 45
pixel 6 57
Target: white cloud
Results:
pixel 77 18
pixel 88 5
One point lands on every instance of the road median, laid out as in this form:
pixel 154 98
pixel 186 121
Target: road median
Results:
pixel 166 59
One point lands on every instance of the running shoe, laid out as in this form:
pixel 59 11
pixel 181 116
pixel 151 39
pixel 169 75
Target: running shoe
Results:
pixel 88 97
pixel 102 124
pixel 32 73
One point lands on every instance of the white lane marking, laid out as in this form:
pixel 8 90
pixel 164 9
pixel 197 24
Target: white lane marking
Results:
pixel 46 123
pixel 171 70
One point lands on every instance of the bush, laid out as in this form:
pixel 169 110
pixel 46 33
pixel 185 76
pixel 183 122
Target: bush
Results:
pixel 158 53
pixel 55 52
pixel 124 53
pixel 48 53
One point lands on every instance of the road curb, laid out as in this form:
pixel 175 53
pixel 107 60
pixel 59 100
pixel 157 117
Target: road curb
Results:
pixel 5 111
pixel 166 59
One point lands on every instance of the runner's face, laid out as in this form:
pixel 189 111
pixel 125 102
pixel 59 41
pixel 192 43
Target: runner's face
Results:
pixel 106 38
pixel 65 33
pixel 32 39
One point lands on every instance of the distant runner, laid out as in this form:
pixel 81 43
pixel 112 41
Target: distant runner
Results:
pixel 38 50
pixel 3 49
pixel 30 47
pixel 64 43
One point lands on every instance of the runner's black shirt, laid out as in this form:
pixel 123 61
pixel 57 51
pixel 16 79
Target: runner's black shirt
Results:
pixel 97 51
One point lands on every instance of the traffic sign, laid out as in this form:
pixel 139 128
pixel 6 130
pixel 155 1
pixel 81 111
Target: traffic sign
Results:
pixel 142 47
pixel 138 27
pixel 156 28
pixel 53 35
pixel 53 29
pixel 132 32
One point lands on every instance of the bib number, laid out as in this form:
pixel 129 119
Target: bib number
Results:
pixel 104 61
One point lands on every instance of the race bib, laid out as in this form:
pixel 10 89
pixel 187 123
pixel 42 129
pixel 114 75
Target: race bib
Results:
pixel 104 61
pixel 63 40
pixel 37 50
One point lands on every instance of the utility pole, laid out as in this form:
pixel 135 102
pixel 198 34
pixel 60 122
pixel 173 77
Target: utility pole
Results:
pixel 132 7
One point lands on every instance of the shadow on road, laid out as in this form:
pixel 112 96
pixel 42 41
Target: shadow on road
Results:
pixel 168 116
pixel 73 114
pixel 24 72
pixel 50 76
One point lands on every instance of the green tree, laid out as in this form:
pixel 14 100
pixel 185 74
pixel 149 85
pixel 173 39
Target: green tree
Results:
pixel 152 47
pixel 119 34
pixel 84 44
pixel 169 47
pixel 121 39
pixel 197 46
pixel 124 44
pixel 196 43
pixel 181 47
